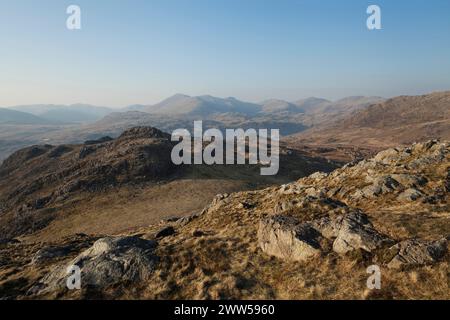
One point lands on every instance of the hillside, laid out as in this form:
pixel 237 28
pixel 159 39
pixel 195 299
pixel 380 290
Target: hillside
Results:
pixel 41 177
pixel 75 113
pixel 23 126
pixel 201 106
pixel 310 239
pixel 403 110
pixel 8 116
pixel 280 106
pixel 46 188
pixel 350 104
pixel 206 106
pixel 400 120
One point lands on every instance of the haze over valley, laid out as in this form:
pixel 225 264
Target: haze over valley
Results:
pixel 54 124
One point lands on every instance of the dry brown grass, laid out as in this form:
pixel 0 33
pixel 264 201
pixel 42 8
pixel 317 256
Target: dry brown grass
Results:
pixel 227 264
pixel 129 208
pixel 216 255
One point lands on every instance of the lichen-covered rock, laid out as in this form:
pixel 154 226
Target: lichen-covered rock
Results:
pixel 427 153
pixel 283 237
pixel 351 232
pixel 356 234
pixel 287 238
pixel 387 156
pixel 110 261
pixel 415 252
pixel 380 185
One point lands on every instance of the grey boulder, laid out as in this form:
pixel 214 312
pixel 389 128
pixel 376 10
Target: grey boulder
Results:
pixel 283 237
pixel 415 252
pixel 110 261
pixel 350 232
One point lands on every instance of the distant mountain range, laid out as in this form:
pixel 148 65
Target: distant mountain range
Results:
pixel 75 113
pixel 179 111
pixel 8 116
pixel 180 105
pixel 184 105
pixel 356 121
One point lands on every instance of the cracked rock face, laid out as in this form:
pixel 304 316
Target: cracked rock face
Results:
pixel 108 262
pixel 351 231
pixel 283 237
pixel 416 252
pixel 380 185
pixel 286 238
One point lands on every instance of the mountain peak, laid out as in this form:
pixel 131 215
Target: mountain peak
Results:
pixel 179 96
pixel 204 105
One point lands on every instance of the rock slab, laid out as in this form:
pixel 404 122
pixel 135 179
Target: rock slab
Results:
pixel 110 261
pixel 283 237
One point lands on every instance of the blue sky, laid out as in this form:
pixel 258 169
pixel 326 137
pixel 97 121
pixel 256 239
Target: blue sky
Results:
pixel 141 51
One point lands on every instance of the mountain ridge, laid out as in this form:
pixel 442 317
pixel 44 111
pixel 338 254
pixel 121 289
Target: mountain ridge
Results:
pixel 73 113
pixel 397 121
pixel 8 116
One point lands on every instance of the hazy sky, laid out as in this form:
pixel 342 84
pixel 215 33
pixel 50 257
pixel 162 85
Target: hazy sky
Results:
pixel 141 51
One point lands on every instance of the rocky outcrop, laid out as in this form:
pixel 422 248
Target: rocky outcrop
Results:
pixel 143 133
pixel 284 237
pixel 139 154
pixel 41 177
pixel 331 204
pixel 110 261
pixel 415 252
pixel 380 185
pixel 350 232
pixel 401 174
